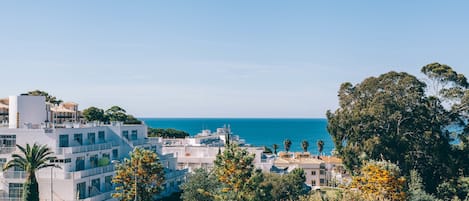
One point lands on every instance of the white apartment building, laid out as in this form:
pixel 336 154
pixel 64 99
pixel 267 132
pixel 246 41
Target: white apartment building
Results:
pixel 86 154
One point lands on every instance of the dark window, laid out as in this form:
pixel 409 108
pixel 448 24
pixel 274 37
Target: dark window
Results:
pixel 63 141
pixel 313 172
pixel 94 161
pixel 91 138
pixel 95 186
pixel 321 181
pixel 81 190
pixel 134 135
pixel 101 137
pixel 15 190
pixel 80 163
pixel 322 172
pixel 78 138
pixel 125 134
pixel 115 154
pixel 108 183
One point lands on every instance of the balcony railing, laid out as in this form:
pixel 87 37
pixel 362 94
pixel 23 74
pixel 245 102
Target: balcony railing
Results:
pixel 89 172
pixel 7 150
pixel 14 174
pixel 86 148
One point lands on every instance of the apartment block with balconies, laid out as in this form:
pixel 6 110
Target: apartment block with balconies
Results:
pixel 85 153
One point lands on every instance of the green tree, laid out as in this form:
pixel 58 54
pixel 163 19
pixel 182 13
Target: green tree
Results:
pixel 416 191
pixel 167 133
pixel 234 169
pixel 287 186
pixel 94 114
pixel 275 147
pixel 49 98
pixel 390 117
pixel 305 145
pixel 140 177
pixel 130 119
pixel 287 144
pixel 116 113
pixel 31 159
pixel 320 144
pixel 200 185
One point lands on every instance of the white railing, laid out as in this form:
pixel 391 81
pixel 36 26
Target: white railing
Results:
pixel 7 150
pixel 89 172
pixel 86 148
pixel 99 197
pixel 14 174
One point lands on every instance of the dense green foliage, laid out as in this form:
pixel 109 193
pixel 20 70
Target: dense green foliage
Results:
pixel 140 177
pixel 200 185
pixel 396 117
pixel 31 159
pixel 115 113
pixel 166 133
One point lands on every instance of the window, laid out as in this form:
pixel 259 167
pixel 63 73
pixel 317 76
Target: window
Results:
pixel 313 183
pixel 15 190
pixel 94 161
pixel 125 134
pixel 2 163
pixel 108 183
pixel 91 138
pixel 322 172
pixel 115 154
pixel 78 138
pixel 134 135
pixel 63 141
pixel 313 173
pixel 81 190
pixel 101 137
pixel 95 186
pixel 321 181
pixel 80 163
pixel 7 140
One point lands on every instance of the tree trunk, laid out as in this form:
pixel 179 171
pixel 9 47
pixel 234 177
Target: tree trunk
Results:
pixel 31 188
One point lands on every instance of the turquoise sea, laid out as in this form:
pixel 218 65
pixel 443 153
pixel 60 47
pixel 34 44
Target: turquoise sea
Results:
pixel 257 131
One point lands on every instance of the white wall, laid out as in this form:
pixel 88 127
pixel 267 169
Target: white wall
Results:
pixel 31 109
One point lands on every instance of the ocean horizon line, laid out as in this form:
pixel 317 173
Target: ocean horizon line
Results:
pixel 231 117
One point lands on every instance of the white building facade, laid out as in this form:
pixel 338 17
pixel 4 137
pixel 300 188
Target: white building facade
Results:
pixel 85 153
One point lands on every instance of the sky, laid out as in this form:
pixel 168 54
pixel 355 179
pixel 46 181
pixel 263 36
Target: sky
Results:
pixel 221 58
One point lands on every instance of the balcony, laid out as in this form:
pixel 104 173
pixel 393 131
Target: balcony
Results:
pixel 99 197
pixel 86 148
pixel 14 174
pixel 7 150
pixel 89 172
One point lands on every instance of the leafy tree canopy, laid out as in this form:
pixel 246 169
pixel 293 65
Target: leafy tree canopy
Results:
pixel 391 117
pixel 166 133
pixel 140 177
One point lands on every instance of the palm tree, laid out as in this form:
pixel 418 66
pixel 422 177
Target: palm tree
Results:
pixel 32 159
pixel 275 147
pixel 287 144
pixel 320 146
pixel 305 145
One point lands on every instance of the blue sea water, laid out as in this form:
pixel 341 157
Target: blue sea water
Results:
pixel 257 131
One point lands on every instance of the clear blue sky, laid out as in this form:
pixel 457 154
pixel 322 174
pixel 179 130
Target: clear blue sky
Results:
pixel 221 58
